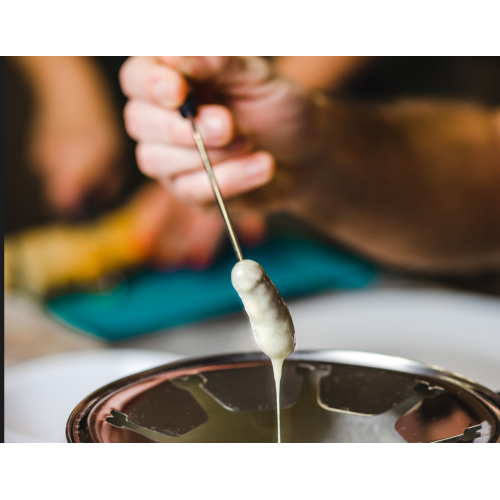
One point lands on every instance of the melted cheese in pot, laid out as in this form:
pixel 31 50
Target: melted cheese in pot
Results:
pixel 270 318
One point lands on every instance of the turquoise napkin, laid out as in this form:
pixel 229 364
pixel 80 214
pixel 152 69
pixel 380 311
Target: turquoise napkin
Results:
pixel 154 300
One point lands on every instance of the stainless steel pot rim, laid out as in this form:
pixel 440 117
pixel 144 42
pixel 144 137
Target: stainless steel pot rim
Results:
pixel 346 357
pixel 355 358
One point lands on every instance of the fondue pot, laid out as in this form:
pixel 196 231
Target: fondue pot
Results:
pixel 326 396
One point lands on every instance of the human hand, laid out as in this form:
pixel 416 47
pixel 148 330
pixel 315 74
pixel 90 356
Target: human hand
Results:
pixel 178 236
pixel 76 142
pixel 258 128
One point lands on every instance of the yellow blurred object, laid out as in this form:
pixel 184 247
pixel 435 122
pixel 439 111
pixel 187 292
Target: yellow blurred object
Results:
pixel 8 264
pixel 60 255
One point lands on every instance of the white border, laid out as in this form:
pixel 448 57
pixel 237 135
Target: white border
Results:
pixel 194 27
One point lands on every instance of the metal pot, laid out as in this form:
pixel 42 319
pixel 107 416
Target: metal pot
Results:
pixel 327 396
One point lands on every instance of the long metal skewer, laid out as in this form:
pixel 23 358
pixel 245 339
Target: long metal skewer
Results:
pixel 215 187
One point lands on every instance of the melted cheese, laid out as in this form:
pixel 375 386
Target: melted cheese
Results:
pixel 270 318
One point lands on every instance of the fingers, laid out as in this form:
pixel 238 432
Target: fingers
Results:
pixel 234 73
pixel 148 122
pixel 160 161
pixel 166 149
pixel 196 67
pixel 145 78
pixel 234 176
pixel 161 79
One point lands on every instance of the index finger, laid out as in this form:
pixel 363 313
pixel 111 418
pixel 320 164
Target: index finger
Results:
pixel 149 79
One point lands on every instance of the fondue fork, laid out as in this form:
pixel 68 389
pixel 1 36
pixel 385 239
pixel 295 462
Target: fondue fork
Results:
pixel 189 110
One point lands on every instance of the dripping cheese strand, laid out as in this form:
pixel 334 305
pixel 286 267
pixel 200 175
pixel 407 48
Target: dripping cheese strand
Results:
pixel 270 318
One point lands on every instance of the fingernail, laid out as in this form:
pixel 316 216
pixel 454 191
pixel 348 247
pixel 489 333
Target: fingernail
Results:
pixel 213 127
pixel 257 167
pixel 163 92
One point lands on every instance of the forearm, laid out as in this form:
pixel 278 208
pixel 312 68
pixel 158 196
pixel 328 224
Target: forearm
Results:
pixel 414 185
pixel 411 184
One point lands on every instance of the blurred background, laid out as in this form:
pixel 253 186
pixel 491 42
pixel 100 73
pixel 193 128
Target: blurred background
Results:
pixel 102 266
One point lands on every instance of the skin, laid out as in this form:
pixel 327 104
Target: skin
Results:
pixel 319 72
pixel 76 141
pixel 410 184
pixel 239 140
pixel 179 236
pixel 76 146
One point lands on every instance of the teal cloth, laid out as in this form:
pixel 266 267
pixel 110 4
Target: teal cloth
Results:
pixel 153 300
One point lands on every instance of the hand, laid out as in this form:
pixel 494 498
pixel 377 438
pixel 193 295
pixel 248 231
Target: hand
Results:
pixel 260 133
pixel 76 142
pixel 178 236
pixel 373 176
